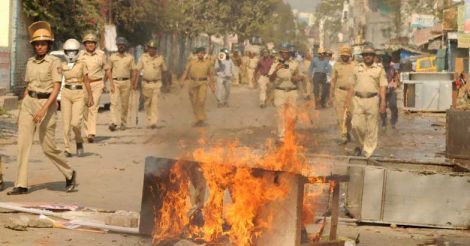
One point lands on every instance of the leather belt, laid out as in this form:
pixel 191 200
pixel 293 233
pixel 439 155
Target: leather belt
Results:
pixel 121 78
pixel 199 79
pixel 39 95
pixel 286 89
pixel 343 88
pixel 95 80
pixel 73 87
pixel 366 95
pixel 152 81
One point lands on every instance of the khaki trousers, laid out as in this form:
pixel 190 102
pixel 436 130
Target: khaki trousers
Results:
pixel 250 73
pixel 285 102
pixel 236 75
pixel 343 118
pixel 46 129
pixel 197 95
pixel 151 93
pixel 264 89
pixel 365 123
pixel 72 107
pixel 120 102
pixel 91 113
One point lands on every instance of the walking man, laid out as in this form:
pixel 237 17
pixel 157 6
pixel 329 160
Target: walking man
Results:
pixel 341 83
pixel 38 109
pixel 224 70
pixel 393 80
pixel 369 87
pixel 152 65
pixel 284 73
pixel 261 72
pixel 200 75
pixel 76 89
pixel 320 67
pixel 237 62
pixel 122 73
pixel 252 62
pixel 98 70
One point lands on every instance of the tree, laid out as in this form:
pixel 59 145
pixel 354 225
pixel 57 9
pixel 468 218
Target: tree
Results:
pixel 68 19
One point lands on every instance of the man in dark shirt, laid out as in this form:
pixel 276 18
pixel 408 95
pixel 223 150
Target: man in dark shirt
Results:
pixel 261 72
pixel 391 96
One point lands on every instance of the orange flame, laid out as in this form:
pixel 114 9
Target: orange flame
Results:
pixel 232 168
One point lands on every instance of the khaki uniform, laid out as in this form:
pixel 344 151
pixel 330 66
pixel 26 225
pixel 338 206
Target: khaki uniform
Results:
pixel 122 66
pixel 96 63
pixel 250 70
pixel 41 75
pixel 199 73
pixel 285 95
pixel 151 83
pixel 237 62
pixel 306 88
pixel 243 70
pixel 365 119
pixel 343 74
pixel 73 101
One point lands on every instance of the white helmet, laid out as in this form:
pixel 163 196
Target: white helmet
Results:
pixel 71 48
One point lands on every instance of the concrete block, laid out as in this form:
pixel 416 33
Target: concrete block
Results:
pixel 9 102
pixel 3 91
pixel 124 219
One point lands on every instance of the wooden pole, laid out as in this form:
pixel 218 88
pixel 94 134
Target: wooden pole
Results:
pixel 334 211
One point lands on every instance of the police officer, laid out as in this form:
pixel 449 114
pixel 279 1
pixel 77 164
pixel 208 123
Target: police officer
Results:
pixel 76 85
pixel 38 109
pixel 200 75
pixel 122 71
pixel 284 74
pixel 252 62
pixel 98 73
pixel 152 65
pixel 341 83
pixel 369 86
pixel 224 70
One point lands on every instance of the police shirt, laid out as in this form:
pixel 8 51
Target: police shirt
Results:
pixel 368 79
pixel 152 67
pixel 41 75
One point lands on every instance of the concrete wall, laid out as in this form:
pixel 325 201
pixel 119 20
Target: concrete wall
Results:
pixel 5 7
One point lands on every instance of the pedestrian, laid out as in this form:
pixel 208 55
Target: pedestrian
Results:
pixel 200 75
pixel 306 86
pixel 72 103
pixel 367 93
pixel 98 70
pixel 152 65
pixel 224 70
pixel 262 74
pixel 38 109
pixel 320 67
pixel 393 80
pixel 244 68
pixel 252 62
pixel 237 62
pixel 341 83
pixel 284 74
pixel 122 66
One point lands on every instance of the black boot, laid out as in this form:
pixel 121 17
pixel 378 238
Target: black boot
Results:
pixel 80 150
pixel 17 191
pixel 70 183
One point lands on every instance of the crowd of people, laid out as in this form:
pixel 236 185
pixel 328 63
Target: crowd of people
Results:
pixel 357 90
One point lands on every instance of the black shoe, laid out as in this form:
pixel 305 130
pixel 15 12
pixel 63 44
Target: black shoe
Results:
pixel 199 124
pixel 112 127
pixel 91 138
pixel 80 150
pixel 357 151
pixel 2 186
pixel 70 183
pixel 17 191
pixel 67 154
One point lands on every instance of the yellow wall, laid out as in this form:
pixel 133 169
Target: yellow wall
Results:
pixel 4 23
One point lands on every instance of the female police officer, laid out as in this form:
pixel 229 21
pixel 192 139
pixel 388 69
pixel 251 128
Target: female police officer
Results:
pixel 38 109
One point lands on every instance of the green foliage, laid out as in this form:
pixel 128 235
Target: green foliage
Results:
pixel 331 11
pixel 68 18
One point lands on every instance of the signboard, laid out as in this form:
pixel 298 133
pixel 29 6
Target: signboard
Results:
pixel 463 40
pixel 466 27
pixel 422 21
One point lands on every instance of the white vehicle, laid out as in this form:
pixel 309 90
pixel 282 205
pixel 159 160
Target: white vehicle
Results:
pixel 105 100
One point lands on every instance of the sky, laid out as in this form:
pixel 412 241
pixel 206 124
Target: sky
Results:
pixel 303 5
